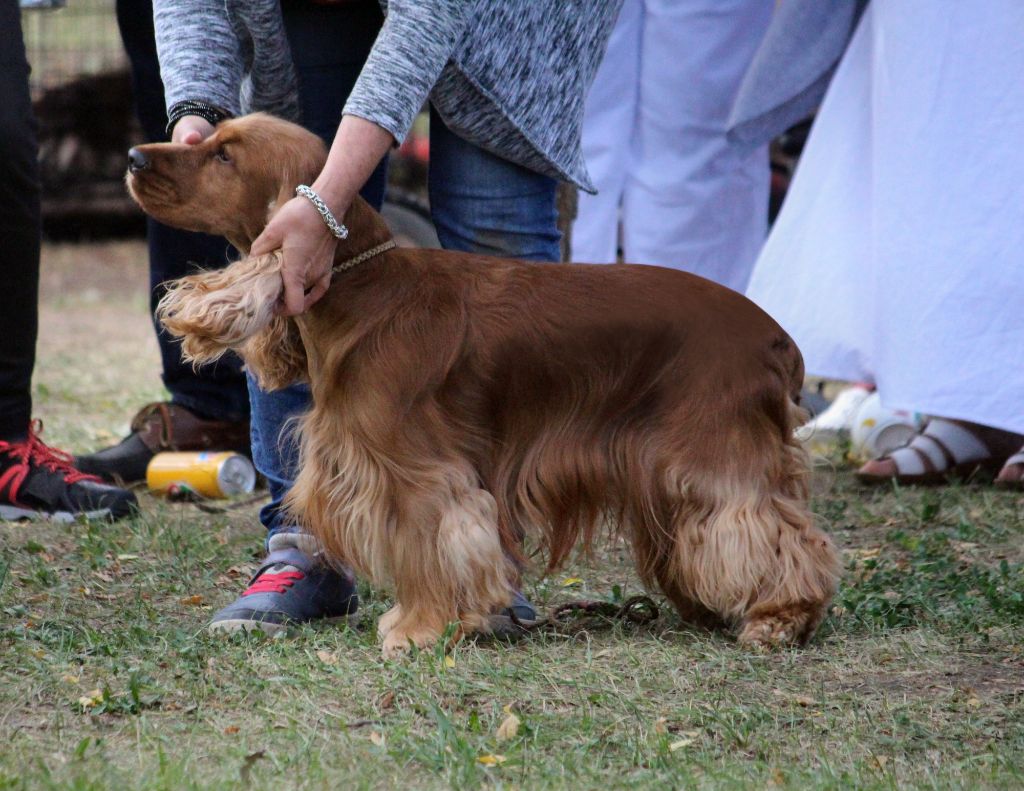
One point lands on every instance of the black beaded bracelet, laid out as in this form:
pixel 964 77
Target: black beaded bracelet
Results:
pixel 205 110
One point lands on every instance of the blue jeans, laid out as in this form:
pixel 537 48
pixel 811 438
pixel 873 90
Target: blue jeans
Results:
pixel 480 203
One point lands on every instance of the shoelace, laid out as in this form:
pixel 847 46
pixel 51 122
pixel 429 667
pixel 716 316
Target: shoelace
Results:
pixel 274 582
pixel 33 451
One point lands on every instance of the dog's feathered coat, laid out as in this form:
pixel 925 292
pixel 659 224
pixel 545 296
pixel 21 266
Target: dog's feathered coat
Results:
pixel 461 402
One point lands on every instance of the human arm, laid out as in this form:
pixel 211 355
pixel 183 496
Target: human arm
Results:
pixel 299 231
pixel 199 53
pixel 416 41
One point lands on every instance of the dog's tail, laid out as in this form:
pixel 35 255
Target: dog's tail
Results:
pixel 215 311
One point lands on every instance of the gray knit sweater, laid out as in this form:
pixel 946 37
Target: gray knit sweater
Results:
pixel 508 75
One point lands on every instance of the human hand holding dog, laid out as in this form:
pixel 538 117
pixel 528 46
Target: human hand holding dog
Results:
pixel 297 228
pixel 191 129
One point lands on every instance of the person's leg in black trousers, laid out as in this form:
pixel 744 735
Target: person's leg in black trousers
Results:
pixel 19 229
pixel 35 480
pixel 209 407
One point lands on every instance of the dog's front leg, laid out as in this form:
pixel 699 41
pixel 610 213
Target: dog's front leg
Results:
pixel 449 564
pixel 425 527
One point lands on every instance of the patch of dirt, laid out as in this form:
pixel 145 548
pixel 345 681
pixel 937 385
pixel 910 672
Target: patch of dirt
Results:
pixel 96 271
pixel 97 356
pixel 989 678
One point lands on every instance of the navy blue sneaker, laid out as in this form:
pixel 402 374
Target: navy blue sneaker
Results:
pixel 291 587
pixel 514 619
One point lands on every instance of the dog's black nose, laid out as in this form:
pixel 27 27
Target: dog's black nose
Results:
pixel 137 160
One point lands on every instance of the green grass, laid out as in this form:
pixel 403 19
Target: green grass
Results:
pixel 107 680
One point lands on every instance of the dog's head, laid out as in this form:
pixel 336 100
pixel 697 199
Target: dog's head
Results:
pixel 228 184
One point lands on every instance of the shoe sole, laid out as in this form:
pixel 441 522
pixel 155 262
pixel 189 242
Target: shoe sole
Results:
pixel 12 513
pixel 269 628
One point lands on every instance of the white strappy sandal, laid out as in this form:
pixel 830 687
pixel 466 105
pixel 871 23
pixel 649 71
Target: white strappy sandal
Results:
pixel 944 451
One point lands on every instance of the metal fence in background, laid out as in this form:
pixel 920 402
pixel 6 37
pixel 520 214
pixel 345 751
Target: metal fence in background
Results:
pixel 65 42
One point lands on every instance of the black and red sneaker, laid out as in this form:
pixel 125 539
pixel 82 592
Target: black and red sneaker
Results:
pixel 40 482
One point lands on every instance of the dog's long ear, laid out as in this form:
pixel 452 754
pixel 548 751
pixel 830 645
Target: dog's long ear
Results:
pixel 219 310
pixel 276 356
pixel 234 308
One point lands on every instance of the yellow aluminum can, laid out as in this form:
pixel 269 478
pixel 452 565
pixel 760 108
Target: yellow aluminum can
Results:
pixel 208 473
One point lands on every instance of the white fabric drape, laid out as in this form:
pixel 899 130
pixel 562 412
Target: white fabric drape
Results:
pixel 898 256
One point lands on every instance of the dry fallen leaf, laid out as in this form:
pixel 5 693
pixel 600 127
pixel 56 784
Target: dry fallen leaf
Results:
pixel 568 582
pixel 387 700
pixel 127 557
pixel 193 601
pixel 377 738
pixel 90 699
pixel 449 661
pixel 231 729
pixel 508 729
pixel 679 744
pixel 327 657
pixel 659 725
pixel 491 760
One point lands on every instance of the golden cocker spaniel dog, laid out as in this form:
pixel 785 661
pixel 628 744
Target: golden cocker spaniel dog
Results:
pixel 462 402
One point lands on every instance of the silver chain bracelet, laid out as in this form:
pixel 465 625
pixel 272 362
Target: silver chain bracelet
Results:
pixel 335 227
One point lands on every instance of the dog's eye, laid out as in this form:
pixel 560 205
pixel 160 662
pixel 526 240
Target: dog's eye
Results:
pixel 222 155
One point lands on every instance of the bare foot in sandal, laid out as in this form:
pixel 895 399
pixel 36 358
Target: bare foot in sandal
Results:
pixel 944 450
pixel 1012 474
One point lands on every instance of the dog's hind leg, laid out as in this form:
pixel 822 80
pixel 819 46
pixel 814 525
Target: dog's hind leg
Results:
pixel 745 548
pixel 657 564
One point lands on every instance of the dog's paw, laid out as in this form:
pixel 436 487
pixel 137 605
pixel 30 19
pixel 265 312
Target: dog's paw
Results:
pixel 764 634
pixel 766 628
pixel 400 639
pixel 775 626
pixel 388 620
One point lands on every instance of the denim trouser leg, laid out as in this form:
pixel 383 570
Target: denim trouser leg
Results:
pixel 274 451
pixel 481 203
pixel 329 45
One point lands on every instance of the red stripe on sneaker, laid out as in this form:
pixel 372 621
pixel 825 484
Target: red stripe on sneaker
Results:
pixel 278 582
